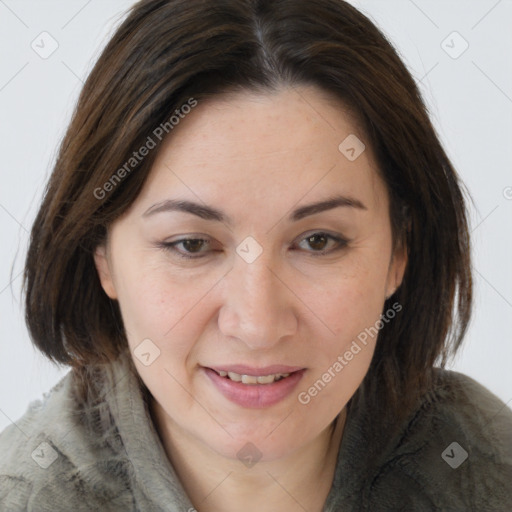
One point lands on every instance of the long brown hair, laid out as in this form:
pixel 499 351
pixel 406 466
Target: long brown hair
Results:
pixel 167 52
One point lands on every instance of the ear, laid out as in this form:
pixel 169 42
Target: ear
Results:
pixel 396 269
pixel 104 271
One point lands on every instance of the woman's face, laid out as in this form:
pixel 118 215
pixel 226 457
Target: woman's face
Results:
pixel 273 284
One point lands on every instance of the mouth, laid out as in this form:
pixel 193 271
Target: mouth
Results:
pixel 252 379
pixel 255 387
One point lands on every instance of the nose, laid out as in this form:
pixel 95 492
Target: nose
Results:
pixel 259 309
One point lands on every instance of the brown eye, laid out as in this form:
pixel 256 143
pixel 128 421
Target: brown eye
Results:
pixel 319 241
pixel 192 244
pixel 191 247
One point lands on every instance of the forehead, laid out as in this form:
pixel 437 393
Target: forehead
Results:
pixel 278 144
pixel 289 119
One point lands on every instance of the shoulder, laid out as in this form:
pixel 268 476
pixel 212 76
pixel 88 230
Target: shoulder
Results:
pixel 454 452
pixel 50 461
pixel 27 450
pixel 20 436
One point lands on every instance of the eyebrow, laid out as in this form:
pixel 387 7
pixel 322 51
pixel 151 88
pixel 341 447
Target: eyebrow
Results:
pixel 209 213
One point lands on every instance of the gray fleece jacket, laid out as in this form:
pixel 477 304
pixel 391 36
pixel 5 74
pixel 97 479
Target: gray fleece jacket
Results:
pixel 453 453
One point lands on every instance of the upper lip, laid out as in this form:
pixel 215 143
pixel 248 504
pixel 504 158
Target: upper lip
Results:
pixel 243 369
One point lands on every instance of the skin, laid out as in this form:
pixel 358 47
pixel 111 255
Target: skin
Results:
pixel 256 157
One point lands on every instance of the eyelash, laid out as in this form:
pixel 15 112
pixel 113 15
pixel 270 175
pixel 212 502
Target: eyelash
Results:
pixel 170 246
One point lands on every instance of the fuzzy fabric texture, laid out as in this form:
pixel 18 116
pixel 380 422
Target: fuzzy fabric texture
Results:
pixel 62 455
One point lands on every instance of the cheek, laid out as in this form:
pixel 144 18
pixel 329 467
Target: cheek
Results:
pixel 146 304
pixel 152 312
pixel 164 306
pixel 341 361
pixel 351 315
pixel 350 305
pixel 350 297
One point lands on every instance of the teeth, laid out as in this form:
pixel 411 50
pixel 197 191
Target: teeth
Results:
pixel 235 376
pixel 266 379
pixel 250 379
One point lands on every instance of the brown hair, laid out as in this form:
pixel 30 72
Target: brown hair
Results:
pixel 167 52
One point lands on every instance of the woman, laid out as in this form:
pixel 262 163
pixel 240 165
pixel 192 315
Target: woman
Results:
pixel 252 252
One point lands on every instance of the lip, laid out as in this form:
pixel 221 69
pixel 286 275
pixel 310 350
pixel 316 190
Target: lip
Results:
pixel 242 369
pixel 256 396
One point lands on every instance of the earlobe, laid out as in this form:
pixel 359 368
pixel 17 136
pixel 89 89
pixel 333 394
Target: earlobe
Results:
pixel 104 273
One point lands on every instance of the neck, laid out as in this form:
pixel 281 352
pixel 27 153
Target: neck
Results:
pixel 300 481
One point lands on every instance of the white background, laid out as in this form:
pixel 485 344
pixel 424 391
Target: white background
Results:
pixel 470 101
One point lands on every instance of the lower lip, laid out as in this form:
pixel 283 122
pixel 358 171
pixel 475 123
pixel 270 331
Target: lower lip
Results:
pixel 255 396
